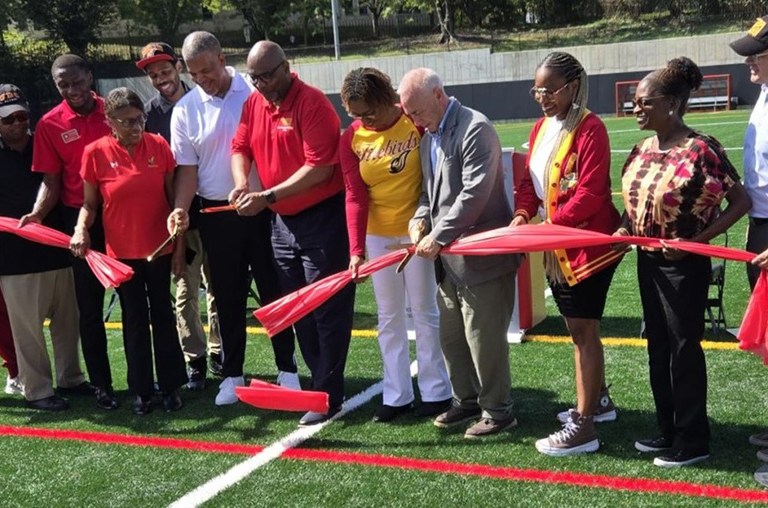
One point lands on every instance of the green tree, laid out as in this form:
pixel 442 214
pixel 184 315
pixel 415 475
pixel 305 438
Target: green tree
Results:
pixel 377 9
pixel 166 15
pixel 76 22
pixel 11 12
pixel 265 16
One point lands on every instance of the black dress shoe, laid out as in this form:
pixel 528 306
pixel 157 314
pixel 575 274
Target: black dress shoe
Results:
pixel 432 408
pixel 214 365
pixel 172 401
pixel 141 405
pixel 387 413
pixel 196 371
pixel 105 399
pixel 52 403
pixel 84 389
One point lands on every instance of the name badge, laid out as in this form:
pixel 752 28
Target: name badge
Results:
pixel 70 136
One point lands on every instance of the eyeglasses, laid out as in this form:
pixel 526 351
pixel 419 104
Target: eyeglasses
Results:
pixel 130 123
pixel 265 77
pixel 536 92
pixel 754 58
pixel 644 102
pixel 18 116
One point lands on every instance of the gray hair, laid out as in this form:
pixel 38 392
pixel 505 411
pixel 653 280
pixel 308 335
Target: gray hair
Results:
pixel 120 98
pixel 199 42
pixel 420 79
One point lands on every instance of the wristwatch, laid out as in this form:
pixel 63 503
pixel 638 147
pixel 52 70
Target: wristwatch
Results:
pixel 269 195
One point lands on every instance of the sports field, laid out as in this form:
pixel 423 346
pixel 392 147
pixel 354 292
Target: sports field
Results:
pixel 240 456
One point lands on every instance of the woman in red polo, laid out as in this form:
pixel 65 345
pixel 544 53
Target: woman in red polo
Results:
pixel 129 175
pixel 568 183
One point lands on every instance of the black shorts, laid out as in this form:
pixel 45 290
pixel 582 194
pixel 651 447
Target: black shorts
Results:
pixel 585 299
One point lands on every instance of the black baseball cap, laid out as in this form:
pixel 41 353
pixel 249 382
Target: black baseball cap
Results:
pixel 755 41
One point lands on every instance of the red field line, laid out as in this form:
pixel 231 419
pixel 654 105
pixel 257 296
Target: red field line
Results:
pixel 627 484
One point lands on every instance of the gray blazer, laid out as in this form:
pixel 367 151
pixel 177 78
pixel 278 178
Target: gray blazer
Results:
pixel 465 194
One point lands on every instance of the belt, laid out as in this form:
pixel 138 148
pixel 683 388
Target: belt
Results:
pixel 206 203
pixel 757 221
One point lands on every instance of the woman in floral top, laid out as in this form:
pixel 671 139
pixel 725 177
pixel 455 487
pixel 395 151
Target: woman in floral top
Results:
pixel 673 184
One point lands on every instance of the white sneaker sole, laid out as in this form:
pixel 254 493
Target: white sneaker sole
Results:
pixel 609 416
pixel 646 449
pixel 542 445
pixel 658 461
pixel 226 401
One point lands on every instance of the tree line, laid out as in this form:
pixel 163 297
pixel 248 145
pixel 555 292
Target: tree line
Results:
pixel 78 23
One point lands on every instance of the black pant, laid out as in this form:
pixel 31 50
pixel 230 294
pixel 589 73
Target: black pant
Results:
pixel 90 301
pixel 309 246
pixel 674 296
pixel 238 248
pixel 757 242
pixel 150 284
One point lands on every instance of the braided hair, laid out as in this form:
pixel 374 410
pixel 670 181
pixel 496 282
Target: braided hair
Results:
pixel 570 69
pixel 369 85
pixel 678 79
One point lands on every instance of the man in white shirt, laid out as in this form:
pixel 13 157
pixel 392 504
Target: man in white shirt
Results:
pixel 203 123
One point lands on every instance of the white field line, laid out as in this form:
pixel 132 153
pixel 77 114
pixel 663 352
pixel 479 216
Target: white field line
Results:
pixel 236 474
pixel 696 125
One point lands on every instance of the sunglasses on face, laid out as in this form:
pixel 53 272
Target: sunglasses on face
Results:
pixel 130 123
pixel 644 102
pixel 19 116
pixel 537 92
pixel 754 58
pixel 265 77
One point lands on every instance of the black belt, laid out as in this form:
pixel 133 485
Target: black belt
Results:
pixel 757 221
pixel 207 203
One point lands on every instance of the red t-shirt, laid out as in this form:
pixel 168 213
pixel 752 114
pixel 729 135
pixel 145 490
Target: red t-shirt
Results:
pixel 133 192
pixel 303 130
pixel 60 137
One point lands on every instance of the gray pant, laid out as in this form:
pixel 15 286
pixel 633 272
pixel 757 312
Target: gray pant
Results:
pixel 473 334
pixel 188 323
pixel 757 242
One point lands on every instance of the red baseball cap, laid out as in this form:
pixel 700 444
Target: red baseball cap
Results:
pixel 156 52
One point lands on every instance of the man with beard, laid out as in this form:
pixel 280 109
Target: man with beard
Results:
pixel 162 66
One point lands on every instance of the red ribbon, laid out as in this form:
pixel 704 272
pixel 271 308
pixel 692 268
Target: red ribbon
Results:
pixel 753 335
pixel 109 271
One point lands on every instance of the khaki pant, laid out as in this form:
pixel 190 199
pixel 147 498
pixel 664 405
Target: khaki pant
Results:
pixel 473 334
pixel 30 299
pixel 192 337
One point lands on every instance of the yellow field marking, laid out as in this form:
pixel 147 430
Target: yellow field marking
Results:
pixel 547 339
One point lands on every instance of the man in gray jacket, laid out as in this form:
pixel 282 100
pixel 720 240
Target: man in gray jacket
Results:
pixel 463 194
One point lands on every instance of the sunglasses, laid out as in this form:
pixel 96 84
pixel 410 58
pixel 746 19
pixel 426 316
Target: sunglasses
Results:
pixel 130 123
pixel 537 92
pixel 755 58
pixel 19 116
pixel 265 77
pixel 644 102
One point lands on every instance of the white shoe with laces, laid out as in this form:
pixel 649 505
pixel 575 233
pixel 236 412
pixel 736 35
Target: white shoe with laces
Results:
pixel 226 393
pixel 13 386
pixel 288 380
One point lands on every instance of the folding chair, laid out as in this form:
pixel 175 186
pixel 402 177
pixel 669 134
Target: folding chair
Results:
pixel 715 307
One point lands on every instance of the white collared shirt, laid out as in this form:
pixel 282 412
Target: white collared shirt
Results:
pixel 202 128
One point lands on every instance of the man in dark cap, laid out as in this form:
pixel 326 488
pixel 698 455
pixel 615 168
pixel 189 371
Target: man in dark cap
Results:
pixel 754 46
pixel 36 280
pixel 163 68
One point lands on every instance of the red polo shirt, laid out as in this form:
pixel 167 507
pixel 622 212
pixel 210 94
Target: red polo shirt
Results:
pixel 133 192
pixel 60 137
pixel 303 130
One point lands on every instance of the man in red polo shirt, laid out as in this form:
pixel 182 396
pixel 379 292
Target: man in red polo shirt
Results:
pixel 291 131
pixel 60 138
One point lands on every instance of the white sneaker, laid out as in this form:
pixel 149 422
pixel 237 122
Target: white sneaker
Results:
pixel 226 393
pixel 288 380
pixel 13 386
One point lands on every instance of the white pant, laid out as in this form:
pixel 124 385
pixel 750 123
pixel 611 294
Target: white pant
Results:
pixel 417 282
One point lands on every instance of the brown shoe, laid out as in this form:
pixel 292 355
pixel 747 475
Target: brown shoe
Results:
pixel 489 426
pixel 577 436
pixel 456 416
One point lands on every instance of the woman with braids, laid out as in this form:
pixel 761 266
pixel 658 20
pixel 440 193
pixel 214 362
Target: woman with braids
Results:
pixel 380 162
pixel 568 183
pixel 130 176
pixel 673 184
